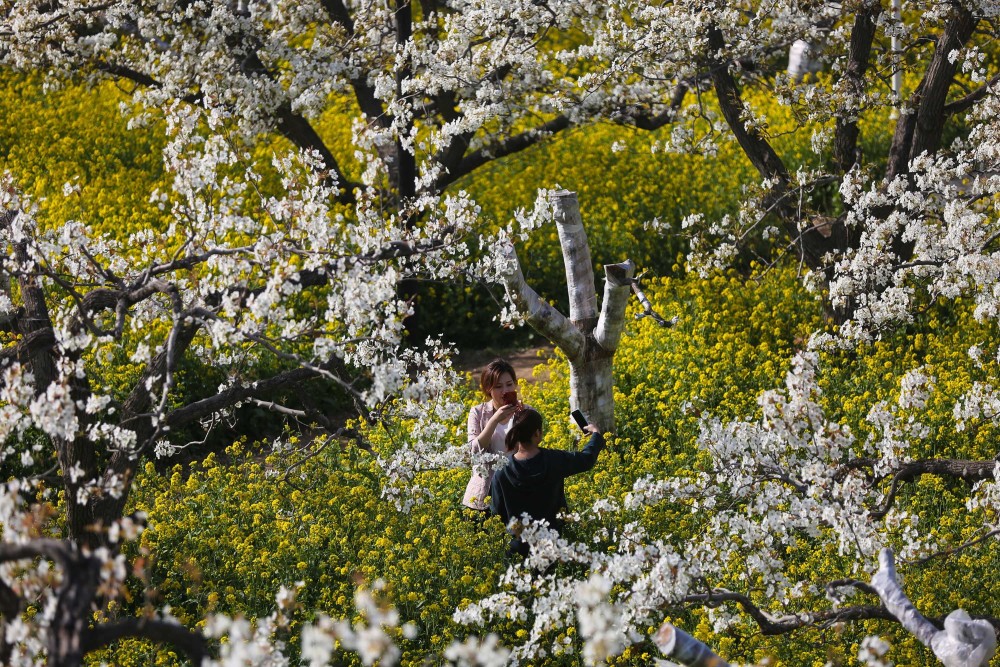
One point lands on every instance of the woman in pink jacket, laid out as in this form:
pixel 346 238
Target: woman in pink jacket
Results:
pixel 488 424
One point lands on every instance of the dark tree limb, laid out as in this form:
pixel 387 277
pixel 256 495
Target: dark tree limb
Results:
pixel 10 608
pixel 300 132
pixel 406 161
pixel 188 642
pixel 226 399
pixel 293 126
pixel 921 123
pixel 76 454
pixel 75 596
pixel 365 94
pixel 902 138
pixel 762 156
pixel 503 148
pixel 812 243
pixel 647 306
pixel 789 623
pixel 124 72
pixel 29 346
pixel 937 81
pixel 655 122
pixel 965 103
pixel 54 550
pixel 963 469
pixel 957 549
pixel 786 624
pixel 36 318
pixel 846 133
pixel 10 321
pixel 863 586
pixel 969 471
pixel 70 636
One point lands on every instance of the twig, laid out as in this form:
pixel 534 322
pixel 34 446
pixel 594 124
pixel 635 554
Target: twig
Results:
pixel 647 307
pixel 954 550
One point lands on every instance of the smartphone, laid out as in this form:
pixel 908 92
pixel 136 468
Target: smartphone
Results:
pixel 580 420
pixel 510 398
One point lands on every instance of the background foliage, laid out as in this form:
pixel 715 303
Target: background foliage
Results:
pixel 226 532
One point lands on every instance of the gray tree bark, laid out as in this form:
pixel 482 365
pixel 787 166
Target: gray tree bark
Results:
pixel 587 337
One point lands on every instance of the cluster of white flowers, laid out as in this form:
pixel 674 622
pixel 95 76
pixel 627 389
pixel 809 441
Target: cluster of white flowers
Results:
pixel 475 652
pixel 872 652
pixel 786 476
pixel 368 639
pixel 439 93
pixel 599 622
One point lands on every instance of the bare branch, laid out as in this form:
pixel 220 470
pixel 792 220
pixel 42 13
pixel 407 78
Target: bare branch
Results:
pixel 863 586
pixel 503 148
pixel 54 550
pixel 965 103
pixel 539 313
pixel 969 471
pixel 786 624
pixel 647 306
pixel 191 643
pixel 956 549
pixel 229 397
pixel 618 278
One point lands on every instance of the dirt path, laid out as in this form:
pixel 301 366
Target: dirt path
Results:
pixel 523 361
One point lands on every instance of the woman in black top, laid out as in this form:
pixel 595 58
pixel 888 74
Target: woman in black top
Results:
pixel 532 482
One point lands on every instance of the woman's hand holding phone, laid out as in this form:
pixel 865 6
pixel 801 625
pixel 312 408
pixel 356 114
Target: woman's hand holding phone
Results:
pixel 505 412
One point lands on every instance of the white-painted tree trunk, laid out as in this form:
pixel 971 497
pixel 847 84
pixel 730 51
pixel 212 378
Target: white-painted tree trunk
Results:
pixel 588 339
pixel 964 642
pixel 685 649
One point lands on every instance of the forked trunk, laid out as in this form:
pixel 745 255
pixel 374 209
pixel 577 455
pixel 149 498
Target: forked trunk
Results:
pixel 588 339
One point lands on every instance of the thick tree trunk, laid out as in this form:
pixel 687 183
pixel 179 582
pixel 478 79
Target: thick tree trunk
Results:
pixel 576 260
pixel 77 456
pixel 589 337
pixel 845 144
pixel 73 632
pixel 591 384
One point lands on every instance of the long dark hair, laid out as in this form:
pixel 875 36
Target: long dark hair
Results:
pixel 492 373
pixel 526 422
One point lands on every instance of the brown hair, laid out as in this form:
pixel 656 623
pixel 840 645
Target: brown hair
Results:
pixel 492 373
pixel 526 422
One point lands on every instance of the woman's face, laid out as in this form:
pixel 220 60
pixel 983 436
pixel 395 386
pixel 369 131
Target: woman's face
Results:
pixel 503 384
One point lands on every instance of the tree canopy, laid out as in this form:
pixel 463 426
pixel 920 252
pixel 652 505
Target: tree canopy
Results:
pixel 270 267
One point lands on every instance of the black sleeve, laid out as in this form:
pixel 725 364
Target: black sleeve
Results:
pixel 496 500
pixel 582 461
